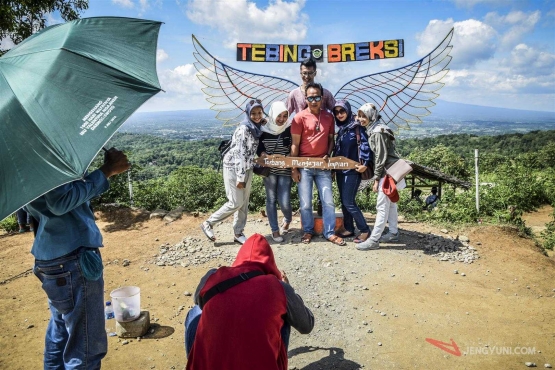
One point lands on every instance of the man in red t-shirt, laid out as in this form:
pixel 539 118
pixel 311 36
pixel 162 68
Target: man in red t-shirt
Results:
pixel 312 132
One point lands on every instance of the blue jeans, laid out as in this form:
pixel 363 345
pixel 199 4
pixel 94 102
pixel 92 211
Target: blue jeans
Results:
pixel 191 325
pixel 278 188
pixel 348 187
pixel 23 218
pixel 76 334
pixel 322 178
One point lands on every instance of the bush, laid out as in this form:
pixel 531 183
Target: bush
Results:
pixel 194 188
pixel 520 184
pixel 548 234
pixel 9 223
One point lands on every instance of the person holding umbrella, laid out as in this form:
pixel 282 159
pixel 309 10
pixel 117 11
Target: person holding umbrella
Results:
pixel 64 92
pixel 69 265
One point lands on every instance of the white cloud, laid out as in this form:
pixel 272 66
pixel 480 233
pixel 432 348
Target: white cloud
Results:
pixel 497 82
pixel 181 80
pixel 241 20
pixel 182 90
pixel 161 55
pixel 144 4
pixel 473 41
pixel 528 61
pixel 514 25
pixel 6 43
pixel 124 3
pixel 491 65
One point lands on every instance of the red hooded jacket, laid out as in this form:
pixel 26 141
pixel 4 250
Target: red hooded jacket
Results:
pixel 240 328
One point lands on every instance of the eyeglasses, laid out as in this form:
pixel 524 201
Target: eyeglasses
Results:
pixel 257 101
pixel 313 98
pixel 308 74
pixel 339 111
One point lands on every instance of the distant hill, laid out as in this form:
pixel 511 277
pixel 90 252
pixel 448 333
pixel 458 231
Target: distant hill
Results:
pixel 446 118
pixel 450 110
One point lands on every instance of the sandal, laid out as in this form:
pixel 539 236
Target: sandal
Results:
pixel 342 235
pixel 337 240
pixel 358 239
pixel 284 228
pixel 307 237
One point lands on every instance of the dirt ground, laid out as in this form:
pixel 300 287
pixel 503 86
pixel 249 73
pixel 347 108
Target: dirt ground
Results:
pixel 537 220
pixel 498 315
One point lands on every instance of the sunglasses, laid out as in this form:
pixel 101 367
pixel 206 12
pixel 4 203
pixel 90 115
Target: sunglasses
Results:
pixel 255 101
pixel 308 74
pixel 313 98
pixel 339 111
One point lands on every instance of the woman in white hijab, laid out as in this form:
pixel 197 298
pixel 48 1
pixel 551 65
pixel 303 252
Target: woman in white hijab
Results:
pixel 276 139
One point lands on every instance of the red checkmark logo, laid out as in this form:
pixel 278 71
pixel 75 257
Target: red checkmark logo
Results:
pixel 451 348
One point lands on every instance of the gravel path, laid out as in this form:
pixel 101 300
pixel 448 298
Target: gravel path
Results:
pixel 331 280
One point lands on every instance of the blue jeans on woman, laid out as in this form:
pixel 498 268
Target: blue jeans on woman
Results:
pixel 348 186
pixel 193 318
pixel 76 334
pixel 23 218
pixel 278 188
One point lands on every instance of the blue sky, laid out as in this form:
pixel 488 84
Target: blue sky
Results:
pixel 503 55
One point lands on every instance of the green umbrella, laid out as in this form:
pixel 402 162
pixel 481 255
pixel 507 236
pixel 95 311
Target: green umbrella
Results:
pixel 63 93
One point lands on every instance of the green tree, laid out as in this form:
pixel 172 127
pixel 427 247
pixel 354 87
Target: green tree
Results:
pixel 21 18
pixel 443 159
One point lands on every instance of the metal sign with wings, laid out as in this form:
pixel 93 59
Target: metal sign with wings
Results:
pixel 404 95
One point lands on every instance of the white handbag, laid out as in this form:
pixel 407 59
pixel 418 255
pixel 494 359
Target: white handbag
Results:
pixel 399 170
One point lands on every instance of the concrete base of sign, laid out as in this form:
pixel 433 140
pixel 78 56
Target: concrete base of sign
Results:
pixel 319 222
pixel 135 328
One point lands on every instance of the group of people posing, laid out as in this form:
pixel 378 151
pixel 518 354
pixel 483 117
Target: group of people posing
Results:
pixel 248 321
pixel 310 133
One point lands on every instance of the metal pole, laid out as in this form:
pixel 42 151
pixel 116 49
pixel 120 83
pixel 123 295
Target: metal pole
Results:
pixel 130 188
pixel 477 183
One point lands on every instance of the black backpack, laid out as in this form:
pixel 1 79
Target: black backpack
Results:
pixel 223 148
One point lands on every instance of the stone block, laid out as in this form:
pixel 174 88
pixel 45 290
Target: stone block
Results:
pixel 174 214
pixel 159 213
pixel 319 223
pixel 135 328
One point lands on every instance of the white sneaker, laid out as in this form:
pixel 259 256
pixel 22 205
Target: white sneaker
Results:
pixel 241 239
pixel 389 237
pixel 207 230
pixel 277 239
pixel 368 245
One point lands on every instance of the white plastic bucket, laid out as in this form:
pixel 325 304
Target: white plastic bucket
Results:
pixel 127 303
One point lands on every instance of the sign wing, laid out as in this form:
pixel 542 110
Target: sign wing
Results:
pixel 404 94
pixel 229 89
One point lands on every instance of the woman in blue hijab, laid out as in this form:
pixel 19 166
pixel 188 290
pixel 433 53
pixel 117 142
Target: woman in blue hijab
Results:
pixel 351 142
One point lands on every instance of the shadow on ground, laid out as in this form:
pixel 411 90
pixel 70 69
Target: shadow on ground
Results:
pixel 334 358
pixel 159 332
pixel 430 244
pixel 120 217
